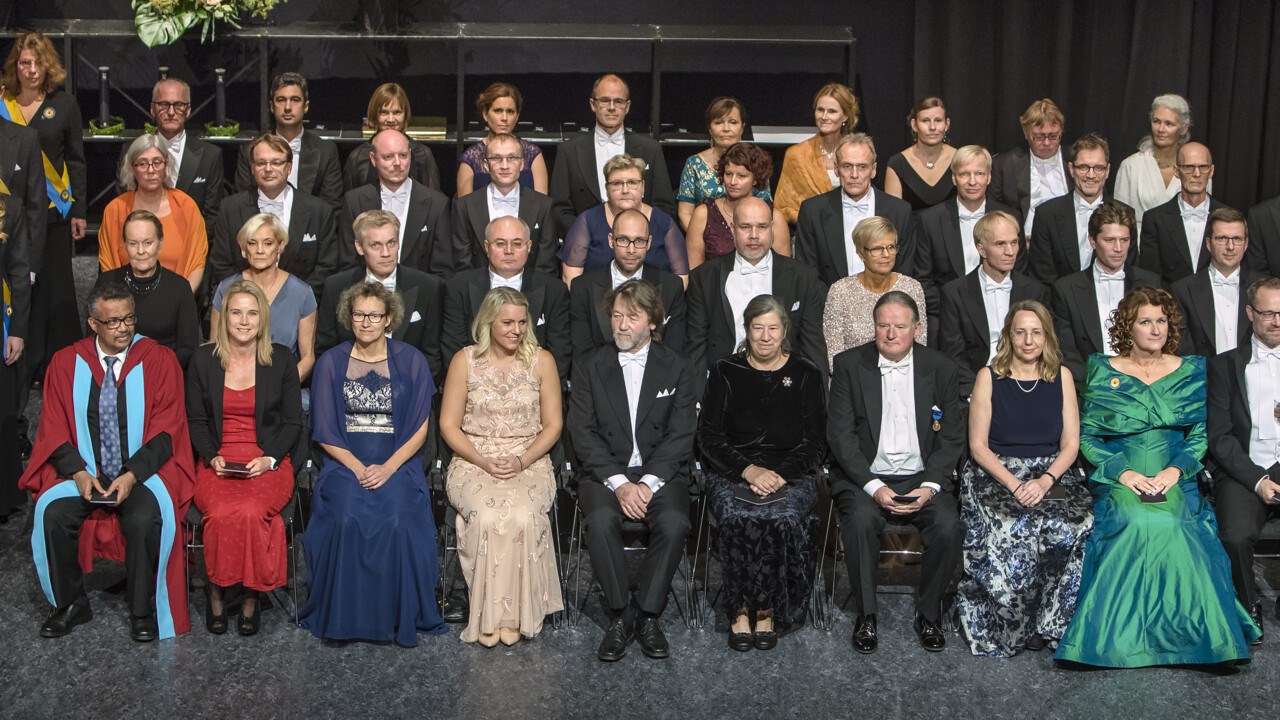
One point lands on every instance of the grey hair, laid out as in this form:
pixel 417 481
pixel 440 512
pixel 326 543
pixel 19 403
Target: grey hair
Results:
pixel 1180 107
pixel 144 142
pixel 763 305
pixel 857 139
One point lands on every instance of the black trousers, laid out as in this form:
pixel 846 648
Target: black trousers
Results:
pixel 1241 515
pixel 55 315
pixel 667 519
pixel 861 522
pixel 140 522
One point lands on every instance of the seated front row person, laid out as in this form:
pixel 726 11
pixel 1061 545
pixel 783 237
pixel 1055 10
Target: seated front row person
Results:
pixel 244 406
pixel 501 415
pixel 895 427
pixel 111 467
pixel 633 419
pixel 370 544
pixel 762 431
pixel 1023 549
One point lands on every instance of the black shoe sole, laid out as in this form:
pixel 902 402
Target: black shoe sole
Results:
pixel 933 649
pixel 611 658
pixel 655 654
pixel 864 651
pixel 740 642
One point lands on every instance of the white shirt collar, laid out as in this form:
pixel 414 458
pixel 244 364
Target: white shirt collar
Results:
pixel 989 282
pixel 97 346
pixel 641 353
pixel 1099 272
pixel 1080 202
pixel 1259 349
pixel 390 281
pixel 740 262
pixel 516 282
pixel 886 362
pixel 1215 274
pixel 285 197
pixel 1183 206
pixel 615 135
pixel 616 274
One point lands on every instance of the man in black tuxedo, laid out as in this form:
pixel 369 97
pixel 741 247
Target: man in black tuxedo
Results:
pixel 824 228
pixel 974 306
pixel 944 246
pixel 577 180
pixel 377 234
pixel 1173 245
pixel 589 316
pixel 1213 300
pixel 1060 233
pixel 316 170
pixel 1026 176
pixel 632 422
pixel 312 252
pixel 1084 301
pixel 720 289
pixel 22 175
pixel 895 425
pixel 1264 235
pixel 473 212
pixel 425 239
pixel 199 163
pixel 507 246
pixel 1243 387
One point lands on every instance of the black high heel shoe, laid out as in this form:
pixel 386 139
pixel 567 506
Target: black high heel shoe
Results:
pixel 215 624
pixel 252 624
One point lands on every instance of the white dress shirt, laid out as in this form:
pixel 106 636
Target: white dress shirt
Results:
pixel 1084 211
pixel 1262 387
pixel 295 145
pixel 854 212
pixel 102 359
pixel 1226 308
pixel 967 222
pixel 281 206
pixel 744 283
pixel 607 147
pixel 515 283
pixel 633 364
pixel 899 450
pixel 1048 181
pixel 503 205
pixel 1109 290
pixel 616 276
pixel 177 147
pixel 1193 222
pixel 396 202
pixel 389 282
pixel 995 297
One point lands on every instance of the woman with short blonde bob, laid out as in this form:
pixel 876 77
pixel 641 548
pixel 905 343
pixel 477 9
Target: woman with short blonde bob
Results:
pixel 1024 547
pixel 501 416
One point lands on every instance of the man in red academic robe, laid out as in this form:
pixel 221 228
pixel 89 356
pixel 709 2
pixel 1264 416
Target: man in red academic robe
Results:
pixel 112 470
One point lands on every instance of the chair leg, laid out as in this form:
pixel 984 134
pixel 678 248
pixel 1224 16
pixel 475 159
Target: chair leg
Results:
pixel 696 600
pixel 578 601
pixel 825 619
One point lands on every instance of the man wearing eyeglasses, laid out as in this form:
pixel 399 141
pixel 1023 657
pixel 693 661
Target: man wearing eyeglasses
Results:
pixel 1060 232
pixel 1213 299
pixel 577 180
pixel 1026 176
pixel 589 318
pixel 426 243
pixel 1244 437
pixel 504 197
pixel 312 251
pixel 507 246
pixel 199 163
pixel 824 227
pixel 112 469
pixel 1173 234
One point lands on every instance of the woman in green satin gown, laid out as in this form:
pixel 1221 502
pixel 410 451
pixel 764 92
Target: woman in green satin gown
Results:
pixel 1156 588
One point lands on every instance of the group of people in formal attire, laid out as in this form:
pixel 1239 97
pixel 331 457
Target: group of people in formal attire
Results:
pixel 988 349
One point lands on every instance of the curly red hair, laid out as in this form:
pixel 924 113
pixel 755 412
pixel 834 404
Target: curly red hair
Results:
pixel 1124 316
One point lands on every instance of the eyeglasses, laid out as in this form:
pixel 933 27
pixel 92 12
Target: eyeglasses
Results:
pixel 1046 137
pixel 628 184
pixel 505 245
pixel 275 164
pixel 883 250
pixel 149 165
pixel 373 317
pixel 115 323
pixel 1195 169
pixel 610 102
pixel 1090 169
pixel 1229 240
pixel 505 159
pixel 1267 315
pixel 639 243
pixel 170 106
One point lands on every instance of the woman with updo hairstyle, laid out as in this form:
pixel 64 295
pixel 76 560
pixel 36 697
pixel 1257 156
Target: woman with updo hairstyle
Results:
pixel 743 171
pixel 809 168
pixel 701 178
pixel 921 174
pixel 389 110
pixel 1156 588
pixel 500 106
pixel 1147 178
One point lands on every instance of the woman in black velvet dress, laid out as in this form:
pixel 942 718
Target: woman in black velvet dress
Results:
pixel 762 433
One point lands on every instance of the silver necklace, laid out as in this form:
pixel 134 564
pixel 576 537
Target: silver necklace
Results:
pixel 1025 390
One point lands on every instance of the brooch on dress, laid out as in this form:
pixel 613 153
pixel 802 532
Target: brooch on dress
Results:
pixel 49 113
pixel 786 381
pixel 937 416
pixel 1115 383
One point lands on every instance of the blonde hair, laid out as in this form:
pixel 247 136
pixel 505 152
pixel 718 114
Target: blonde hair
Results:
pixel 845 98
pixel 1050 362
pixel 222 343
pixel 482 326
pixel 1041 112
pixel 623 162
pixel 969 153
pixel 255 223
pixel 873 227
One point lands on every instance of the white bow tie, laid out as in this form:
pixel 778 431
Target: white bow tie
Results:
pixel 1044 163
pixel 995 287
pixel 607 140
pixel 1085 209
pixel 511 282
pixel 1195 214
pixel 1118 277
pixel 510 201
pixel 760 269
pixel 861 208
pixel 629 359
pixel 399 196
pixel 275 207
pixel 1232 282
pixel 888 367
pixel 1262 353
pixel 971 216
pixel 296 145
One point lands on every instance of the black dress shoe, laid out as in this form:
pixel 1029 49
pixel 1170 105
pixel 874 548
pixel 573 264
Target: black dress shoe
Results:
pixel 144 629
pixel 60 622
pixel 764 640
pixel 864 634
pixel 1256 613
pixel 742 642
pixel 24 446
pixel 931 637
pixel 652 642
pixel 616 639
pixel 454 609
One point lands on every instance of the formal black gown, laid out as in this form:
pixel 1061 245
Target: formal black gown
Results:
pixel 165 307
pixel 918 193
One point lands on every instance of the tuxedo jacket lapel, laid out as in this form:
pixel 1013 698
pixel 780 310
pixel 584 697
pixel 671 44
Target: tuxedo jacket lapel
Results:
pixel 190 163
pixel 1087 300
pixel 598 288
pixel 923 373
pixel 409 294
pixel 1023 179
pixel 1178 233
pixel 722 274
pixel 310 163
pixel 653 382
pixel 479 286
pixel 1071 240
pixel 952 240
pixel 1242 358
pixel 415 219
pixel 587 166
pixel 869 380
pixel 299 223
pixel 974 304
pixel 833 232
pixel 1202 298
pixel 615 384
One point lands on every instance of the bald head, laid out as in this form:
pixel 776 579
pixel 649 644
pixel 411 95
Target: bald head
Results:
pixel 753 229
pixel 752 207
pixel 390 157
pixel 1194 168
pixel 506 243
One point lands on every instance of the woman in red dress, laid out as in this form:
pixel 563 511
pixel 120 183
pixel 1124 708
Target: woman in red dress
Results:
pixel 244 407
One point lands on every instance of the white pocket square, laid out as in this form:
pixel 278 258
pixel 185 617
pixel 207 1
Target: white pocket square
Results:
pixel 666 393
pixel 416 317
pixel 308 237
pixel 197 181
pixel 795 306
pixel 537 225
pixel 16 167
pixel 424 229
pixel 542 319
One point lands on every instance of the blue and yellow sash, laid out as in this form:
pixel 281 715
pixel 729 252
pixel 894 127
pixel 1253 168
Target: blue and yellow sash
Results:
pixel 57 184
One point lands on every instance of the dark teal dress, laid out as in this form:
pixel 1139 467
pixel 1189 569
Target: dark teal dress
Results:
pixel 1156 588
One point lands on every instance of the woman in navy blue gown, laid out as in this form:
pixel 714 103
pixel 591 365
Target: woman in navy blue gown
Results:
pixel 370 545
